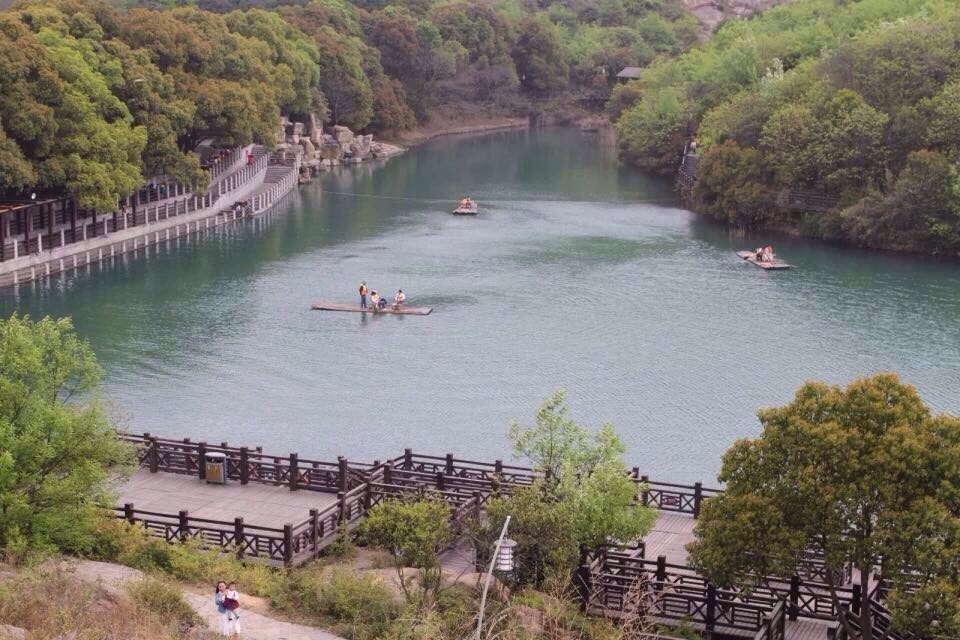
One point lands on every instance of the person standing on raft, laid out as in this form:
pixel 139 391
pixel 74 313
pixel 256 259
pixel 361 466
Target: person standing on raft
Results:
pixel 399 299
pixel 363 295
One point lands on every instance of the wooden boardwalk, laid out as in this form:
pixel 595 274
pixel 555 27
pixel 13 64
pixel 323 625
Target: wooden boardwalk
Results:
pixel 257 504
pixel 389 310
pixel 669 537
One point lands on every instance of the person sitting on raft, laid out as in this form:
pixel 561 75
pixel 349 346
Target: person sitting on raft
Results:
pixel 399 299
pixel 374 299
pixel 382 304
pixel 758 254
pixel 767 254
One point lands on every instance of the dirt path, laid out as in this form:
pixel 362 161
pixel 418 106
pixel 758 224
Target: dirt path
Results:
pixel 115 578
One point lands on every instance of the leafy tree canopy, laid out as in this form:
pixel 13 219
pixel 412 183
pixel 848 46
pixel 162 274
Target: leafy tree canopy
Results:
pixel 57 446
pixel 862 474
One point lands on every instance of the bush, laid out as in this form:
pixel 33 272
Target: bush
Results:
pixel 188 562
pixel 356 605
pixel 77 610
pixel 165 601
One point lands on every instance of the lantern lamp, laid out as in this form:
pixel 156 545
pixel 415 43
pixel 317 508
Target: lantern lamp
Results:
pixel 505 555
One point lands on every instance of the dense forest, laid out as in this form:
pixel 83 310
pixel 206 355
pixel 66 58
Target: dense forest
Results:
pixel 95 96
pixel 859 101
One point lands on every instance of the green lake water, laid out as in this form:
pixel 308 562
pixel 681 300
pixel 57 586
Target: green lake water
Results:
pixel 578 274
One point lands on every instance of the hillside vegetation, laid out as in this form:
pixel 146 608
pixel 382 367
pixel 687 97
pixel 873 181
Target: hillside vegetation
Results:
pixel 94 97
pixel 856 100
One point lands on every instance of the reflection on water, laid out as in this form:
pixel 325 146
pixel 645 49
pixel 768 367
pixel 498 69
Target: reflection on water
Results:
pixel 578 274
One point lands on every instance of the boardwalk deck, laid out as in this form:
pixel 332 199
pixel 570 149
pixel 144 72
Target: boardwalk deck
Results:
pixel 669 537
pixel 257 504
pixel 355 308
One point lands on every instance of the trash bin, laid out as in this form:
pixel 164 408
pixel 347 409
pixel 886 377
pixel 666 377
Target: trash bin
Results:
pixel 216 464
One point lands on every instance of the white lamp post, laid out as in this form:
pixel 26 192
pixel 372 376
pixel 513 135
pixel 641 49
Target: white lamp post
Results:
pixel 503 561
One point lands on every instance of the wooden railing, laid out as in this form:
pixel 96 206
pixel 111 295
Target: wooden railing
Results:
pixel 247 465
pixel 680 593
pixel 493 478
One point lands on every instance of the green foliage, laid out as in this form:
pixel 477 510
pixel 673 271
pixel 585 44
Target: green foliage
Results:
pixel 733 186
pixel 165 601
pixel 543 530
pixel 414 532
pixel 57 446
pixel 860 473
pixel 355 604
pixel 539 57
pixel 819 96
pixel 190 563
pixel 586 499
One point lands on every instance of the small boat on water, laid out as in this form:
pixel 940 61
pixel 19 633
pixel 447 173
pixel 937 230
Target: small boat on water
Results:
pixel 403 310
pixel 466 207
pixel 770 265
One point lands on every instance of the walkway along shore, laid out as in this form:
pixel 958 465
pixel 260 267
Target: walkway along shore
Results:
pixel 170 498
pixel 46 238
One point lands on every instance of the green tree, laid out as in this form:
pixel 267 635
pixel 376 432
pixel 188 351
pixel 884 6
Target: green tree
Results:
pixel 589 500
pixel 57 446
pixel 850 472
pixel 539 57
pixel 733 185
pixel 651 133
pixel 543 529
pixel 414 532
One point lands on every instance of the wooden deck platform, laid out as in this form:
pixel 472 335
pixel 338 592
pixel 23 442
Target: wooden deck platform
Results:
pixel 669 537
pixel 257 504
pixel 355 308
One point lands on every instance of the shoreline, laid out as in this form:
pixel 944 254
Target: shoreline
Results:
pixel 420 136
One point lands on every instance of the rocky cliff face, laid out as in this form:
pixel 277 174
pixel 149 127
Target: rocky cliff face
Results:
pixel 711 12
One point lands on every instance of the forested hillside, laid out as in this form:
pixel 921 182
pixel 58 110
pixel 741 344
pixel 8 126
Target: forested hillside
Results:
pixel 855 100
pixel 93 96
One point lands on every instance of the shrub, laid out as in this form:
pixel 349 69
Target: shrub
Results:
pixel 165 601
pixel 77 610
pixel 357 605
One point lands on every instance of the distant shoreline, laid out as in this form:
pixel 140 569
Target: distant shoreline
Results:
pixel 422 135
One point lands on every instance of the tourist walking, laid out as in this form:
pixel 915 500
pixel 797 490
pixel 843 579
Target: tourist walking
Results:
pixel 363 295
pixel 219 595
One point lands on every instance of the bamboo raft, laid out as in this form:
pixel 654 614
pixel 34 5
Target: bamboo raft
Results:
pixel 355 308
pixel 776 265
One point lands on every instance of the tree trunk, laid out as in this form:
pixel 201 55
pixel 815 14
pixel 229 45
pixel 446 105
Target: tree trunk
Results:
pixel 866 619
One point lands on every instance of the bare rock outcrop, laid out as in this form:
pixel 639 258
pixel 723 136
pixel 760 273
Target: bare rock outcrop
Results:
pixel 711 13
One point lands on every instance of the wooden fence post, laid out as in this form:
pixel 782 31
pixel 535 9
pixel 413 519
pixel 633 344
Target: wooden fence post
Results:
pixel 202 459
pixel 407 459
pixel 154 454
pixel 794 597
pixel 294 479
pixel 661 572
pixel 441 485
pixel 315 531
pixel 697 498
pixel 128 512
pixel 645 494
pixel 388 472
pixel 244 465
pixel 584 582
pixel 477 505
pixel 857 596
pixel 287 544
pixel 781 624
pixel 238 536
pixel 342 466
pixel 448 468
pixel 498 467
pixel 367 497
pixel 184 525
pixel 342 501
pixel 711 617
